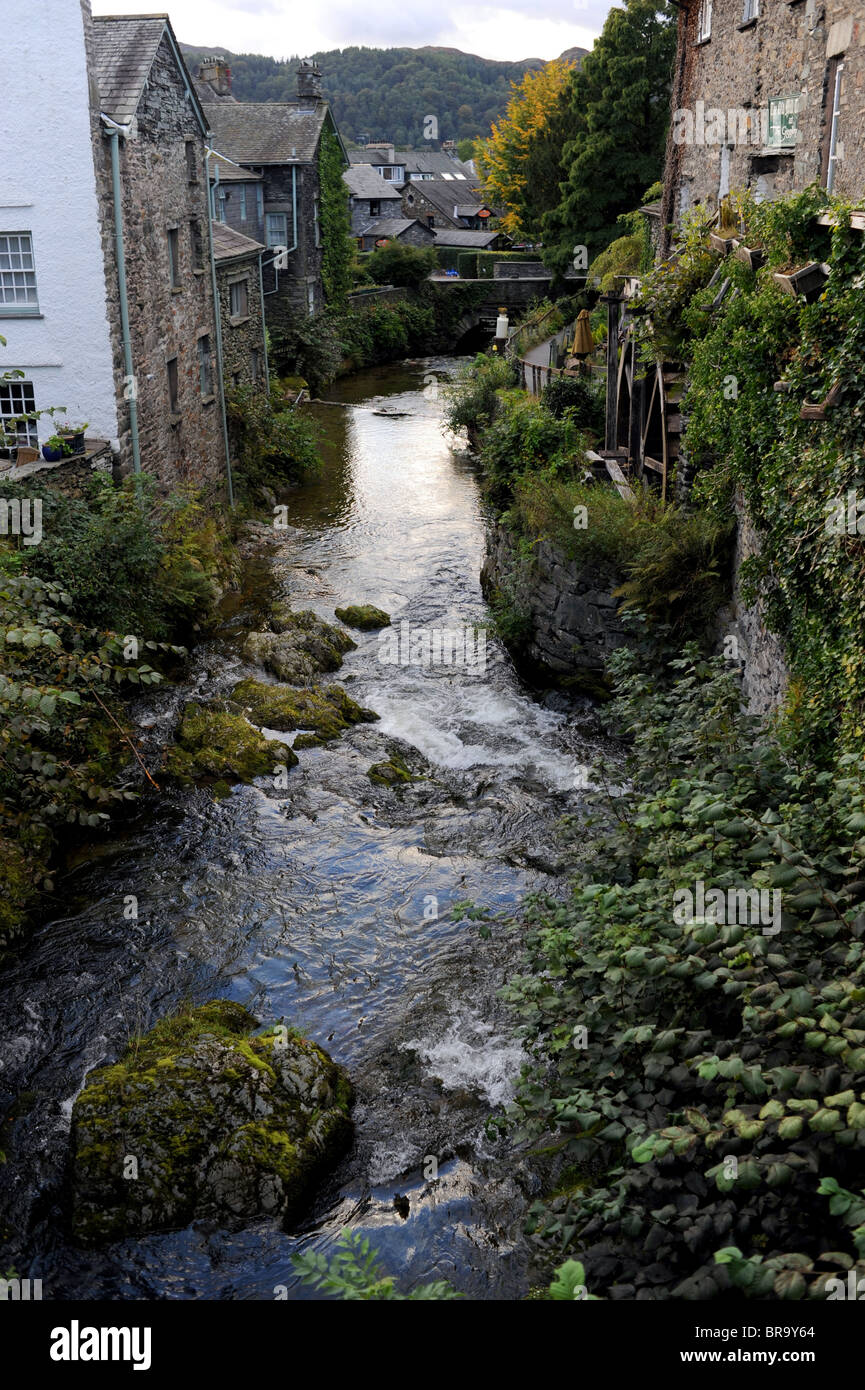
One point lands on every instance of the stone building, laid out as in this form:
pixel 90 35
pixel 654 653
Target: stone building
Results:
pixel 156 131
pixel 370 197
pixel 439 203
pixel 241 307
pixel 106 268
pixel 769 95
pixel 281 142
pixel 409 231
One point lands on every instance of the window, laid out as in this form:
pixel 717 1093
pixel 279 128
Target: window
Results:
pixel 173 258
pixel 191 162
pixel 205 365
pixel 704 21
pixel 310 299
pixel 196 244
pixel 316 226
pixel 783 126
pixel 243 202
pixel 173 386
pixel 17 274
pixel 238 295
pixel 221 197
pixel 751 11
pixel 276 229
pixel 259 202
pixel 17 400
pixel 255 365
pixel 833 99
pixel 374 207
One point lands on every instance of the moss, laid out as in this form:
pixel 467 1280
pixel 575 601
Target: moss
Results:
pixel 307 741
pixel 18 870
pixel 391 773
pixel 326 710
pixel 364 616
pixel 298 646
pixel 221 1121
pixel 214 744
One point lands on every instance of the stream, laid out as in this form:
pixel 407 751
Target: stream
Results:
pixel 328 905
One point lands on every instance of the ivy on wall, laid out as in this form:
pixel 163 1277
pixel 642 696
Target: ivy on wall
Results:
pixel 337 248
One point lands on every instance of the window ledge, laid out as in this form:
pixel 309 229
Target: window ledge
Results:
pixel 20 314
pixel 208 400
pixel 784 150
pixel 201 270
pixel 701 43
pixel 174 419
pixel 241 319
pixel 748 24
pixel 177 289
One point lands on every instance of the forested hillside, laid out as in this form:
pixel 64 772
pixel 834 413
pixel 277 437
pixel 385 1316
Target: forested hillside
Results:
pixel 385 93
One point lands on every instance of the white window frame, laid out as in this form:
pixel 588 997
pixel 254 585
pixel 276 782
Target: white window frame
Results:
pixel 19 295
pixel 704 21
pixel 751 11
pixel 17 403
pixel 243 202
pixel 205 367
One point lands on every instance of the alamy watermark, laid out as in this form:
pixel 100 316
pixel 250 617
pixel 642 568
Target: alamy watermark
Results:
pixel 434 646
pixel 745 906
pixel 21 517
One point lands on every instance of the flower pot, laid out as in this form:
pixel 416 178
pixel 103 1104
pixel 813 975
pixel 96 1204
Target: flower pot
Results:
pixel 807 281
pixel 51 455
pixel 753 256
pixel 720 244
pixel 73 442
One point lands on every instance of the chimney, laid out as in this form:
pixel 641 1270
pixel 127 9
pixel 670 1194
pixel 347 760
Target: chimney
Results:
pixel 216 73
pixel 309 81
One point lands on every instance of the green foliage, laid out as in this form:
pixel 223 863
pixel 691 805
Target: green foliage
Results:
pixel 400 264
pixel 373 333
pixel 796 1275
pixel 667 333
pixel 794 475
pixel 624 256
pixel 524 436
pixel 581 395
pixel 612 127
pixel 667 1045
pixel 385 92
pixel 274 444
pixel 473 399
pixel 352 1274
pixel 337 247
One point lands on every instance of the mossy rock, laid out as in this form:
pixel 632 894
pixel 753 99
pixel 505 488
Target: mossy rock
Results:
pixel 204 1118
pixel 326 710
pixel 364 616
pixel 307 741
pixel 299 647
pixel 392 773
pixel 19 868
pixel 225 747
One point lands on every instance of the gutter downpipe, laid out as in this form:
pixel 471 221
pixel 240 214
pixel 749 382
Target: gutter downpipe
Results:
pixel 263 321
pixel 217 314
pixel 114 131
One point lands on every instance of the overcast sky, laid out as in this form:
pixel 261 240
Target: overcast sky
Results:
pixel 505 29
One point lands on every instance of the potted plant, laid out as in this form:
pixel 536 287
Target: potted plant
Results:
pixel 724 239
pixel 753 256
pixel 807 280
pixel 55 449
pixel 73 436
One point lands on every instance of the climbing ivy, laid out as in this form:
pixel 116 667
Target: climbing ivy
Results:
pixel 337 250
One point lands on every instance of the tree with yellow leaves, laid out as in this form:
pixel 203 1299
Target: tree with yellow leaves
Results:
pixel 503 157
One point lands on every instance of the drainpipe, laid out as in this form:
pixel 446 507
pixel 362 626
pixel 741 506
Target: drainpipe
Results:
pixel 217 314
pixel 293 246
pixel 114 131
pixel 263 323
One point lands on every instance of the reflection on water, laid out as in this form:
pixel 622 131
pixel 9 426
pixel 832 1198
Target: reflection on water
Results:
pixel 329 905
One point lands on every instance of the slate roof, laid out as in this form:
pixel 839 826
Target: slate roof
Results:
pixel 227 243
pixel 364 182
pixel 456 236
pixel 229 172
pixel 435 162
pixel 390 226
pixel 443 195
pixel 277 132
pixel 124 49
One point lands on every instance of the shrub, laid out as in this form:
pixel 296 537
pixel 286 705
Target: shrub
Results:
pixel 473 399
pixel 398 263
pixel 579 395
pixel 274 443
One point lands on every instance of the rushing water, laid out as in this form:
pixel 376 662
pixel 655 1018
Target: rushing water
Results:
pixel 328 905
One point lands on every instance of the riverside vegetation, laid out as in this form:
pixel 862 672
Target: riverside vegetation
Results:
pixel 699 1088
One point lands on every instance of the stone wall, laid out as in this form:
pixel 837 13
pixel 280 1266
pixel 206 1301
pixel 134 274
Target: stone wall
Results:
pixel 569 609
pixel 298 288
pixel 165 323
pixel 759 652
pixel 520 270
pixel 791 49
pixel 242 337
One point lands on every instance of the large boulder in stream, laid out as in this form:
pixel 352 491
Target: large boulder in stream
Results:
pixel 299 646
pixel 325 710
pixel 204 1117
pixel 215 744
